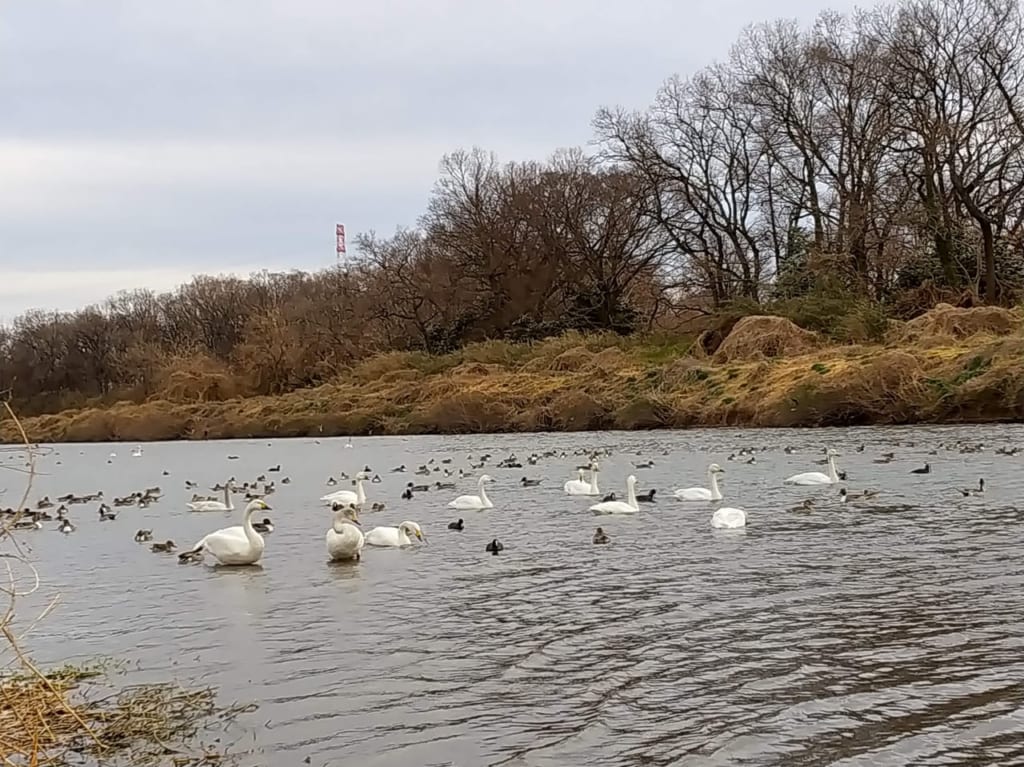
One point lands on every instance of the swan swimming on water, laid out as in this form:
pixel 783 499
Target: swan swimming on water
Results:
pixel 727 517
pixel 344 538
pixel 816 477
pixel 357 498
pixel 226 505
pixel 702 493
pixel 630 506
pixel 480 501
pixel 395 536
pixel 238 545
pixel 581 486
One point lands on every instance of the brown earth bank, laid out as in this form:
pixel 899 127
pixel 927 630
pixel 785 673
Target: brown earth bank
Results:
pixel 949 365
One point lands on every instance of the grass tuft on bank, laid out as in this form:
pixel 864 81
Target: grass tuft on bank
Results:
pixel 70 715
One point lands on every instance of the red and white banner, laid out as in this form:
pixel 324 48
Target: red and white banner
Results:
pixel 340 232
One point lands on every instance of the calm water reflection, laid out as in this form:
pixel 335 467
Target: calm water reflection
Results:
pixel 848 636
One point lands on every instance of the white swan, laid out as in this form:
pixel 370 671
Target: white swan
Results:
pixel 474 501
pixel 226 505
pixel 344 538
pixel 702 493
pixel 357 498
pixel 816 477
pixel 581 486
pixel 728 517
pixel 395 536
pixel 238 545
pixel 630 506
pixel 137 451
pixel 578 486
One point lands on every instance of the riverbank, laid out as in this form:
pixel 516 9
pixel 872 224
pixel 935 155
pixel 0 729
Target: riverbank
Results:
pixel 947 366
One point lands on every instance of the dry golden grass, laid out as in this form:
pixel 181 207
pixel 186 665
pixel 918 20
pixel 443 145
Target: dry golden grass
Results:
pixel 198 378
pixel 946 322
pixel 68 716
pixel 964 365
pixel 763 336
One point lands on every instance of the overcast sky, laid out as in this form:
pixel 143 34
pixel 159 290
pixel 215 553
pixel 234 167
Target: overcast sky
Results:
pixel 144 142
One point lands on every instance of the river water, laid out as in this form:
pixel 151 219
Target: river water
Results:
pixel 884 633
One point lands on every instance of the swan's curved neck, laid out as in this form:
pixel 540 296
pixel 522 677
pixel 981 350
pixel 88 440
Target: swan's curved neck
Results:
pixel 340 520
pixel 360 493
pixel 631 495
pixel 250 532
pixel 483 494
pixel 403 536
pixel 716 494
pixel 832 473
pixel 227 497
pixel 593 483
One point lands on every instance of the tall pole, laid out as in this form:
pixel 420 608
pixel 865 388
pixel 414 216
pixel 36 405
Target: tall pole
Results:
pixel 339 233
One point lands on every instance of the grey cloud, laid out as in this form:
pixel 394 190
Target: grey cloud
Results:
pixel 94 93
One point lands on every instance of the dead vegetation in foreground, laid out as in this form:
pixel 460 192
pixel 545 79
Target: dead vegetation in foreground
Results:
pixel 948 365
pixel 70 716
pixel 84 715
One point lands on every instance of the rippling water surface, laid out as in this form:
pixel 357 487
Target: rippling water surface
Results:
pixel 887 633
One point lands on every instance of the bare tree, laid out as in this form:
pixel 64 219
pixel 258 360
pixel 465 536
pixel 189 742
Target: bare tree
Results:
pixel 956 77
pixel 698 153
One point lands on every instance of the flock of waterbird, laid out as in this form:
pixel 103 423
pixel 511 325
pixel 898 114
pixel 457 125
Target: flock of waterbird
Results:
pixel 345 540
